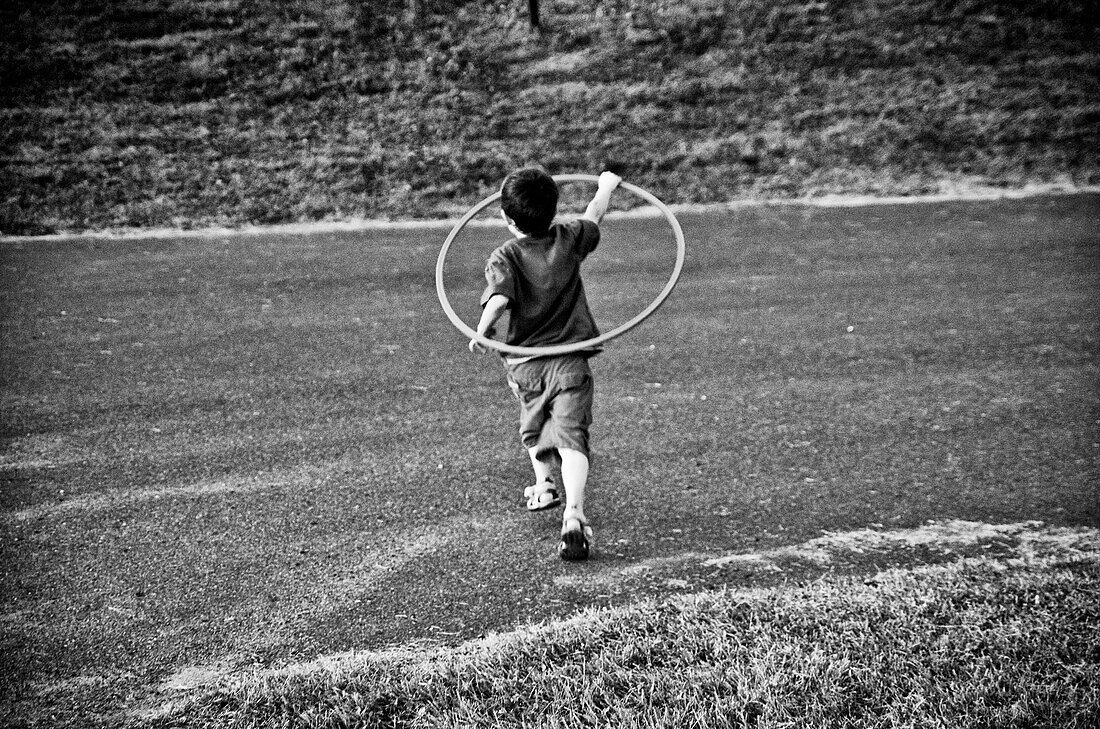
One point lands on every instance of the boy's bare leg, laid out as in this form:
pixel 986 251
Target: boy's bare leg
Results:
pixel 574 477
pixel 576 535
pixel 544 465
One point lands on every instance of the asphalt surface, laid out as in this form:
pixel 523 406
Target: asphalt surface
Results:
pixel 255 450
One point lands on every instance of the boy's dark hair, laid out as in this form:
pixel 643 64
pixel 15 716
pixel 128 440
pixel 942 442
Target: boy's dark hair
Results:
pixel 530 198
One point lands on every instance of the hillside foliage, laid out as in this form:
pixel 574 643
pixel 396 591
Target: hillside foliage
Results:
pixel 173 113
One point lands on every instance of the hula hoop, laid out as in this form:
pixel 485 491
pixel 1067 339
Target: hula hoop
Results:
pixel 559 349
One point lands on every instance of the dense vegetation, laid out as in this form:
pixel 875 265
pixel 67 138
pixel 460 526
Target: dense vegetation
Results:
pixel 152 113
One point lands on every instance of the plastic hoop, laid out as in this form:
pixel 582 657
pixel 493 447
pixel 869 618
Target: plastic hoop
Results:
pixel 559 349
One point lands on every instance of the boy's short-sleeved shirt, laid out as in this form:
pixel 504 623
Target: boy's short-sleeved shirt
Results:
pixel 541 278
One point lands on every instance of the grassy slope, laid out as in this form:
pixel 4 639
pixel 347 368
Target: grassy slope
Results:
pixel 979 642
pixel 168 113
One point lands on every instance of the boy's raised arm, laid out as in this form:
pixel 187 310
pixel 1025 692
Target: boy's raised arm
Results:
pixel 606 185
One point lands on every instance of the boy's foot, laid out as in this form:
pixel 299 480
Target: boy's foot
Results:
pixel 542 496
pixel 576 536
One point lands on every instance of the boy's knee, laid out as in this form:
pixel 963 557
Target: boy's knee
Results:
pixel 572 455
pixel 571 438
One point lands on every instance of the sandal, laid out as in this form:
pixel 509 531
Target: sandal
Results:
pixel 542 496
pixel 576 538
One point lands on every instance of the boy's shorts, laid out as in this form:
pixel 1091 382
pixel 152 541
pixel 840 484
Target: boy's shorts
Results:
pixel 555 395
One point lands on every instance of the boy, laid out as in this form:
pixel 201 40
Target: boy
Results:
pixel 537 278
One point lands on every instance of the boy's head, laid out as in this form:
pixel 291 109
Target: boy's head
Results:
pixel 530 198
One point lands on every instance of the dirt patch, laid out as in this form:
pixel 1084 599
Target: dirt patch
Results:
pixel 936 542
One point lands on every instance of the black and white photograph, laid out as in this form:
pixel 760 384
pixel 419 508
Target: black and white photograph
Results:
pixel 556 364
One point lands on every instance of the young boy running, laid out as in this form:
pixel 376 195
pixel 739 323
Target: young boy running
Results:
pixel 536 278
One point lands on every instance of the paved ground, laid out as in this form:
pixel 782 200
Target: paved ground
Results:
pixel 228 452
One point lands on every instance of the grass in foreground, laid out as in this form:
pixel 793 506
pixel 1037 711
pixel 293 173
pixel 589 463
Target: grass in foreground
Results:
pixel 977 643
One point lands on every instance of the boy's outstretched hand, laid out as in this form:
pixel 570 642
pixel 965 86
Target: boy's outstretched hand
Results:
pixel 609 179
pixel 478 348
pixel 606 184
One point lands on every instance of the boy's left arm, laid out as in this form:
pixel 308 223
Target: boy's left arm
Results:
pixel 607 183
pixel 490 314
